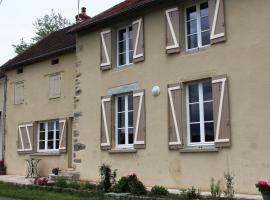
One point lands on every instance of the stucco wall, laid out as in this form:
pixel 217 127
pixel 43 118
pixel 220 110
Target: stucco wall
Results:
pixel 38 107
pixel 244 58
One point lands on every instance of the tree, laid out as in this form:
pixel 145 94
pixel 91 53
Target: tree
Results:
pixel 43 26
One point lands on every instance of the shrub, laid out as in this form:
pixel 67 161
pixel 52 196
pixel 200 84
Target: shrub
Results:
pixel 61 182
pixel 190 194
pixel 74 185
pixel 121 186
pixel 215 190
pixel 107 177
pixel 88 186
pixel 159 191
pixel 229 192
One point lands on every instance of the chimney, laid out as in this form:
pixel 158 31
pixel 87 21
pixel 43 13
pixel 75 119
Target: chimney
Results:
pixel 82 16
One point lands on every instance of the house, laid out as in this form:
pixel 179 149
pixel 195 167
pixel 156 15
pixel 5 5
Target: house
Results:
pixel 174 91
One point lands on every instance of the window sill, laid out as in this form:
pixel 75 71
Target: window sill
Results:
pixel 114 151
pixel 46 154
pixel 124 67
pixel 54 98
pixel 199 149
pixel 196 50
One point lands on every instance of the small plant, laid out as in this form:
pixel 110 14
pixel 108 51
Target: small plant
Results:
pixel 159 191
pixel 3 168
pixel 190 194
pixel 215 190
pixel 263 186
pixel 55 171
pixel 40 181
pixel 121 186
pixel 74 185
pixel 135 186
pixel 61 182
pixel 107 177
pixel 229 192
pixel 88 186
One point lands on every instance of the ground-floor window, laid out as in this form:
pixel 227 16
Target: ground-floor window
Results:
pixel 124 121
pixel 200 118
pixel 48 136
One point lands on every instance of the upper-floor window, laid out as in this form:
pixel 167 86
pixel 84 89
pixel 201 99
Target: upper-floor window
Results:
pixel 125 46
pixel 124 121
pixel 197 26
pixel 19 93
pixel 200 113
pixel 48 136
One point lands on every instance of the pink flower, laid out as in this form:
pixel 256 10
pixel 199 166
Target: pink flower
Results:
pixel 262 183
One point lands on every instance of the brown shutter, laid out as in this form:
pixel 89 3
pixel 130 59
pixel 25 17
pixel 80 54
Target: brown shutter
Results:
pixel 106 123
pixel 172 30
pixel 25 138
pixel 105 49
pixel 175 116
pixel 217 21
pixel 138 40
pixel 55 86
pixel 139 120
pixel 63 128
pixel 18 93
pixel 221 111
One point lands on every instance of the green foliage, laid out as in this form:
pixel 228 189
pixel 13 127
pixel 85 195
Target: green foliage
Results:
pixel 61 183
pixel 121 186
pixel 107 178
pixel 43 26
pixel 88 186
pixel 229 192
pixel 215 189
pixel 74 184
pixel 159 191
pixel 190 194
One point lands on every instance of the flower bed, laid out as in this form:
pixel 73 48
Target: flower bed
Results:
pixel 264 187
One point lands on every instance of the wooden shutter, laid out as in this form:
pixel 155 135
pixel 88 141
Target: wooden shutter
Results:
pixel 25 138
pixel 172 30
pixel 175 116
pixel 106 123
pixel 105 50
pixel 55 86
pixel 63 129
pixel 221 111
pixel 217 21
pixel 138 40
pixel 139 119
pixel 19 93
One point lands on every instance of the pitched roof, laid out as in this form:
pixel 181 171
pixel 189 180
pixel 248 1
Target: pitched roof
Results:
pixel 56 43
pixel 126 7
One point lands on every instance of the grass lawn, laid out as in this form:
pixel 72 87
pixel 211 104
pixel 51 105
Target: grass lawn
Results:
pixel 9 190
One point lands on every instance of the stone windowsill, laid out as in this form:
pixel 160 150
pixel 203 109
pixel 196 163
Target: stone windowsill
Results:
pixel 46 154
pixel 122 151
pixel 200 149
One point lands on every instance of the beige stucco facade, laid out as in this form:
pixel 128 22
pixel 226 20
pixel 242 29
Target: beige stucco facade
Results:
pixel 38 107
pixel 243 57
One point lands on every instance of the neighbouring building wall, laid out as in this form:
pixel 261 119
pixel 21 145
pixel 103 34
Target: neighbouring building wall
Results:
pixel 37 106
pixel 243 57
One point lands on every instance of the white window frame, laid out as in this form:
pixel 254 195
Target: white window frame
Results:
pixel 126 145
pixel 127 46
pixel 199 32
pixel 46 137
pixel 201 110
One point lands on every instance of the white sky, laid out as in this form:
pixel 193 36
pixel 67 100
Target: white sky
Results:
pixel 17 17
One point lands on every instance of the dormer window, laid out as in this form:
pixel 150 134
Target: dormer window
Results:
pixel 125 46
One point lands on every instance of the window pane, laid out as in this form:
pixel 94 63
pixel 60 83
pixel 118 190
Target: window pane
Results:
pixel 122 59
pixel 121 103
pixel 193 93
pixel 122 35
pixel 130 102
pixel 41 135
pixel 130 33
pixel 192 27
pixel 57 134
pixel 192 41
pixel 131 57
pixel 50 144
pixel 130 44
pixel 121 136
pixel 51 125
pixel 50 135
pixel 57 125
pixel 205 38
pixel 195 133
pixel 42 145
pixel 204 9
pixel 122 47
pixel 130 119
pixel 207 91
pixel 194 112
pixel 121 120
pixel 130 136
pixel 42 127
pixel 209 132
pixel 208 111
pixel 191 13
pixel 57 144
pixel 204 23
